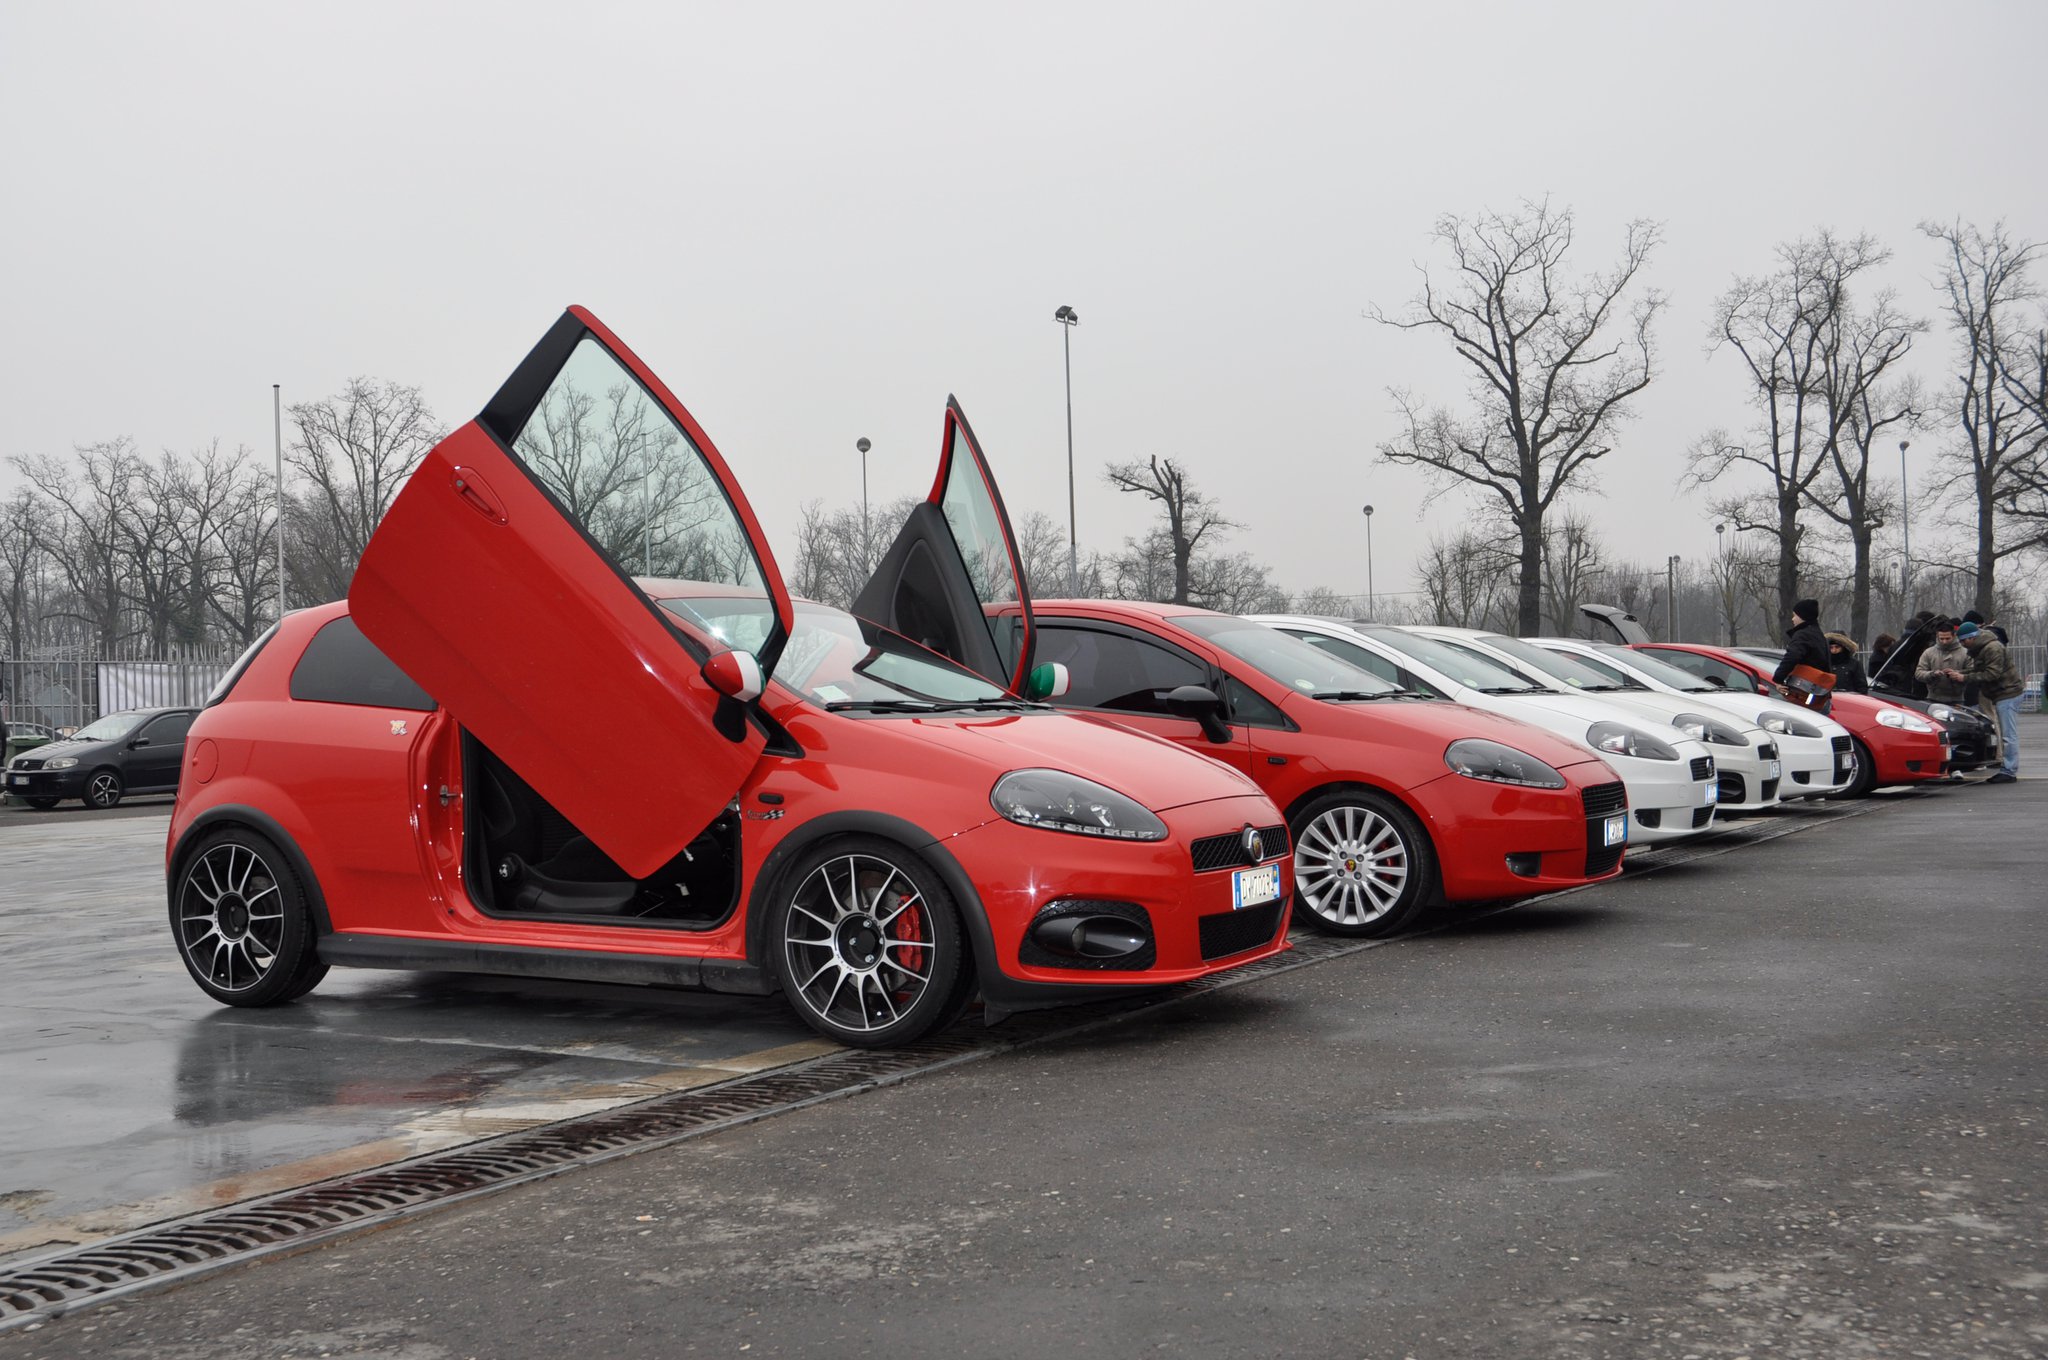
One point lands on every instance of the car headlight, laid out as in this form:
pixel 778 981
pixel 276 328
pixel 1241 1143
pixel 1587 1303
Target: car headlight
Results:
pixel 1619 739
pixel 1479 759
pixel 1702 728
pixel 1785 725
pixel 60 763
pixel 1941 713
pixel 1057 801
pixel 1904 721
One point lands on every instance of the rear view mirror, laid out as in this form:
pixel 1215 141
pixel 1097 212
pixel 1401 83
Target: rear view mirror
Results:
pixel 1199 703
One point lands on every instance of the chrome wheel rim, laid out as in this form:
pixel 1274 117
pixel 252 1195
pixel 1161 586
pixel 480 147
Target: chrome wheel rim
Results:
pixel 231 917
pixel 1351 865
pixel 103 789
pixel 858 941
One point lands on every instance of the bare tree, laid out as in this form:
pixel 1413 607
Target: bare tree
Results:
pixel 21 568
pixel 85 536
pixel 1985 282
pixel 1461 577
pixel 1795 330
pixel 1572 556
pixel 242 568
pixel 1236 584
pixel 1190 516
pixel 1857 506
pixel 354 451
pixel 1323 602
pixel 1554 360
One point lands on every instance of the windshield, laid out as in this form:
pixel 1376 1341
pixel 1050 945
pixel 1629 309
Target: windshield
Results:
pixel 1615 676
pixel 1642 663
pixel 1465 667
pixel 834 658
pixel 1286 658
pixel 1566 670
pixel 113 727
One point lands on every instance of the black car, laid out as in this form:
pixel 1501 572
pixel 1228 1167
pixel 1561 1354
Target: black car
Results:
pixel 140 751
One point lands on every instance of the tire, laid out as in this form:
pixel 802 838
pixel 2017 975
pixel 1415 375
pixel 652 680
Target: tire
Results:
pixel 242 923
pixel 44 803
pixel 1866 773
pixel 1362 865
pixel 867 944
pixel 103 790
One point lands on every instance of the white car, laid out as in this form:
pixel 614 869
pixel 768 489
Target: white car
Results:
pixel 1670 778
pixel 1746 764
pixel 1813 768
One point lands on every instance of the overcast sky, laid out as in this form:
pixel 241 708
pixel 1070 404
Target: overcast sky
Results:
pixel 815 221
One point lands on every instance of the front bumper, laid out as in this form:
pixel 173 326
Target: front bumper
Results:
pixel 1750 777
pixel 46 783
pixel 1195 928
pixel 1667 800
pixel 1814 768
pixel 1498 840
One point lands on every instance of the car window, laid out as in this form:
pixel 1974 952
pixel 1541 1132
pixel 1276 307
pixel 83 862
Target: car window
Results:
pixel 1569 671
pixel 1461 664
pixel 1283 656
pixel 168 730
pixel 1709 669
pixel 833 657
pixel 633 481
pixel 1657 667
pixel 1608 672
pixel 1250 707
pixel 1115 670
pixel 113 727
pixel 1369 660
pixel 341 666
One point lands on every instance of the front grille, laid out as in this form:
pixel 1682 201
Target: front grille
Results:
pixel 1703 767
pixel 1602 858
pixel 1731 788
pixel 1233 932
pixel 1225 851
pixel 1602 800
pixel 26 763
pixel 1841 743
pixel 1701 816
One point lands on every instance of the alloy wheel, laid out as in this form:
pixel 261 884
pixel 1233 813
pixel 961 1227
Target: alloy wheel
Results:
pixel 231 917
pixel 103 790
pixel 859 943
pixel 1351 865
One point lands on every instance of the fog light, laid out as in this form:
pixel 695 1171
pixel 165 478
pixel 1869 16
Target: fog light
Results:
pixel 1525 865
pixel 1650 816
pixel 1089 937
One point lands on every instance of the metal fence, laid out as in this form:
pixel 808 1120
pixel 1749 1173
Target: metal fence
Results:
pixel 71 691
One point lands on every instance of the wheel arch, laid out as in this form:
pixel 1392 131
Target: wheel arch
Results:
pixel 1350 785
pixel 233 815
pixel 774 872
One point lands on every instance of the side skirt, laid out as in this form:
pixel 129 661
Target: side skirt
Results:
pixel 574 965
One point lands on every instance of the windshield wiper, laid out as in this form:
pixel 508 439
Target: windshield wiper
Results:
pixel 1361 696
pixel 1524 689
pixel 922 705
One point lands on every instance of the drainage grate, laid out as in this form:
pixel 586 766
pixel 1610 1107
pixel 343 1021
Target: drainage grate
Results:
pixel 38 1290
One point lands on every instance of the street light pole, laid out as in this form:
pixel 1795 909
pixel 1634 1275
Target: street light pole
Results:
pixel 1068 319
pixel 277 421
pixel 1372 608
pixel 863 445
pixel 1671 598
pixel 1905 529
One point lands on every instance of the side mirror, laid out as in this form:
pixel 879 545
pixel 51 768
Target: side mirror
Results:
pixel 1048 680
pixel 139 741
pixel 1716 681
pixel 1200 704
pixel 735 674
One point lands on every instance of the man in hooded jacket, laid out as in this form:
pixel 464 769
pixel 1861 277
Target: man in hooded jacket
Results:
pixel 1805 644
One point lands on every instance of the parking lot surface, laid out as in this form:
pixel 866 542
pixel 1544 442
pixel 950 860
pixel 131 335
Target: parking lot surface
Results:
pixel 1785 1100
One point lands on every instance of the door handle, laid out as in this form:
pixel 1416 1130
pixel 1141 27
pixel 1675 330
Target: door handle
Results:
pixel 476 493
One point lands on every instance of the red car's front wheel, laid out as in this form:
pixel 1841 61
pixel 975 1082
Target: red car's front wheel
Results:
pixel 867 943
pixel 1362 866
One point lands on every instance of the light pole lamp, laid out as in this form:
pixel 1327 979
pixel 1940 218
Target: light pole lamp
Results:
pixel 1068 319
pixel 1372 608
pixel 1905 529
pixel 863 445
pixel 1671 598
pixel 277 417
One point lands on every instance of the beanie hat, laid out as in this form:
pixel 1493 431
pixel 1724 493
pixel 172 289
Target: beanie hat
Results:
pixel 1966 632
pixel 1807 609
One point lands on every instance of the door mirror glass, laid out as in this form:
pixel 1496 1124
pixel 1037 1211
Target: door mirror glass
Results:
pixel 632 480
pixel 1201 704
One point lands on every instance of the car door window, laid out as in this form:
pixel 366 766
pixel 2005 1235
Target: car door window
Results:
pixel 1707 668
pixel 1370 661
pixel 1115 670
pixel 627 475
pixel 341 666
pixel 1248 706
pixel 169 730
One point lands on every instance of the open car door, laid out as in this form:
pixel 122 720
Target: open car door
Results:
pixel 954 558
pixel 498 581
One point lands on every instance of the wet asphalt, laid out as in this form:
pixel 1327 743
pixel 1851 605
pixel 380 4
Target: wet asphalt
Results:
pixel 1783 1101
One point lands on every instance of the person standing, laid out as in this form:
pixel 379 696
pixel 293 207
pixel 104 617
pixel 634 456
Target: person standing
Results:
pixel 1998 681
pixel 1945 657
pixel 1805 645
pixel 1848 669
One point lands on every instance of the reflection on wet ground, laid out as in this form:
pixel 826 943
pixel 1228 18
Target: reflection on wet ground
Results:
pixel 133 1097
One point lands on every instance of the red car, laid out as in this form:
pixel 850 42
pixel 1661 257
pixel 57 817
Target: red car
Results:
pixel 878 831
pixel 1394 799
pixel 1893 745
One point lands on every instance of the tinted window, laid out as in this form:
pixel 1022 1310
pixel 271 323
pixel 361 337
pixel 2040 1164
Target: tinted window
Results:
pixel 1246 705
pixel 1282 656
pixel 1371 661
pixel 1709 669
pixel 341 667
pixel 1112 670
pixel 1461 665
pixel 168 730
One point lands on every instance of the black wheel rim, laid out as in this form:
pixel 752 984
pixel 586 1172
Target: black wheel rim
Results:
pixel 231 917
pixel 104 789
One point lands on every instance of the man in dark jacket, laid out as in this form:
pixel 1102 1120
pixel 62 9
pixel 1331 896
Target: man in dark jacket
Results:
pixel 1805 644
pixel 1846 665
pixel 1999 682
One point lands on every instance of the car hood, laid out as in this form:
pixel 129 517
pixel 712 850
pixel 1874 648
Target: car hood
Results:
pixel 1156 772
pixel 1437 725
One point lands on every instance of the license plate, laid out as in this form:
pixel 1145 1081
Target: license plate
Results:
pixel 1254 887
pixel 1615 829
pixel 19 781
pixel 1775 771
pixel 1713 793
